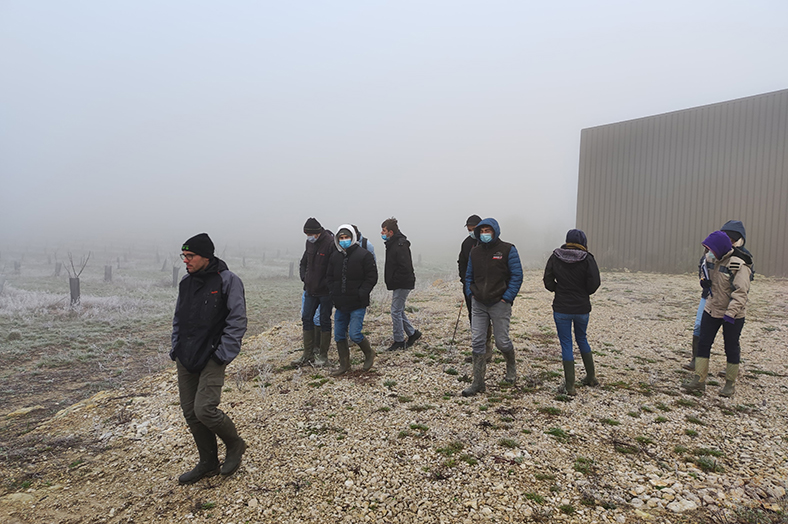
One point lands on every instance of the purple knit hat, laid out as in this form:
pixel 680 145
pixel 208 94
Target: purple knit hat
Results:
pixel 718 243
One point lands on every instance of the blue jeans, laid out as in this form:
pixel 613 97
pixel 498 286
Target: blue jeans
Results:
pixel 349 323
pixel 400 323
pixel 698 315
pixel 499 314
pixel 316 318
pixel 311 303
pixel 563 324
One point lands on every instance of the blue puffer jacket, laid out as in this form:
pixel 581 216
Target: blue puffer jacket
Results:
pixel 494 270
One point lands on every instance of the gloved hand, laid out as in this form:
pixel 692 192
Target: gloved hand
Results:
pixel 729 320
pixel 705 284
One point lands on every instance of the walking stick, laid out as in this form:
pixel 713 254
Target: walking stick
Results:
pixel 456 323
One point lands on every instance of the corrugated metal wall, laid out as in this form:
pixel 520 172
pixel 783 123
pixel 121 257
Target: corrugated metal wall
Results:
pixel 650 190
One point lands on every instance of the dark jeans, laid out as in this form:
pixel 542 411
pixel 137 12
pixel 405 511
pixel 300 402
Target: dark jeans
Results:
pixel 349 323
pixel 311 302
pixel 201 393
pixel 730 335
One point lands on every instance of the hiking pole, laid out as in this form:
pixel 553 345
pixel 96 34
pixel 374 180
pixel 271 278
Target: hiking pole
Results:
pixel 456 323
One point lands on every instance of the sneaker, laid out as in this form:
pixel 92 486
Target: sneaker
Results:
pixel 396 345
pixel 413 338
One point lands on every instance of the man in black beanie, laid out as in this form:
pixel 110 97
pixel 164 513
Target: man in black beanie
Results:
pixel 207 330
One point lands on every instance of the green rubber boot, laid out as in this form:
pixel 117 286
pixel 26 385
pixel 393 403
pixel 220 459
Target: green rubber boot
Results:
pixel 569 377
pixel 691 365
pixel 588 363
pixel 321 359
pixel 511 366
pixel 698 382
pixel 208 466
pixel 731 372
pixel 235 446
pixel 369 354
pixel 309 350
pixel 344 358
pixel 479 369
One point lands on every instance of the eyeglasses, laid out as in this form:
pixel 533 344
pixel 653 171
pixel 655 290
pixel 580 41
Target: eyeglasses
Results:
pixel 188 256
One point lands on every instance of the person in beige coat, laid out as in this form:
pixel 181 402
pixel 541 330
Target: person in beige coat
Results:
pixel 726 307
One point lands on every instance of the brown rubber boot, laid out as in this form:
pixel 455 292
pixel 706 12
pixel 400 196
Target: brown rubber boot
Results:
pixel 731 372
pixel 369 354
pixel 344 358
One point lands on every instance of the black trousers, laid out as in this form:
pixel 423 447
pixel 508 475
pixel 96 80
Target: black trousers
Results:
pixel 709 326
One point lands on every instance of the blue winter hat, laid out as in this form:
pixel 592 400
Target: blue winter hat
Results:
pixel 718 243
pixel 576 236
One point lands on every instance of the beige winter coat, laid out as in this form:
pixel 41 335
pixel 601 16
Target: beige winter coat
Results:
pixel 730 284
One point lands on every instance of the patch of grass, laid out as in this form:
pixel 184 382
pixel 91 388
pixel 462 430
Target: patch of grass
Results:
pixel 507 419
pixel 567 509
pixel 526 432
pixel 403 433
pixel 451 371
pixel 644 440
pixel 662 407
pixel 421 408
pixel 383 409
pixel 318 383
pixel 558 434
pixel 509 443
pixel 610 422
pixel 686 403
pixel 708 452
pixel 404 399
pixel 646 409
pixel 548 410
pixel 679 450
pixel 419 427
pixel 390 383
pixel 634 414
pixel 694 420
pixel 469 459
pixel 626 449
pixel 544 476
pixel 451 448
pixel 484 407
pixel 691 433
pixel 763 372
pixel 660 420
pixel 563 398
pixel 534 497
pixel 709 464
pixel 583 465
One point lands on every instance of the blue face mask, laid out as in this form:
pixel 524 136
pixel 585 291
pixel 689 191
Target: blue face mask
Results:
pixel 311 239
pixel 471 234
pixel 345 243
pixel 384 237
pixel 486 237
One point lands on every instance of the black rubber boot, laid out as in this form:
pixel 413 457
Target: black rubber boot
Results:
pixel 316 344
pixel 479 369
pixel 691 365
pixel 235 446
pixel 309 349
pixel 369 354
pixel 208 466
pixel 344 358
pixel 413 338
pixel 569 377
pixel 588 363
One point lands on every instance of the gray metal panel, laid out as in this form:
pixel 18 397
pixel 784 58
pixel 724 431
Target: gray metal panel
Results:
pixel 651 189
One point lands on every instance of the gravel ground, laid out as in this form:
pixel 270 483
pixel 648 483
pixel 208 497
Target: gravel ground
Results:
pixel 400 444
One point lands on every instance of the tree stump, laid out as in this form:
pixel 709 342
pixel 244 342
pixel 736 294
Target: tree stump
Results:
pixel 73 284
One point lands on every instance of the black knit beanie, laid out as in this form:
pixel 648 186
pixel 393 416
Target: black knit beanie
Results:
pixel 200 244
pixel 576 236
pixel 312 227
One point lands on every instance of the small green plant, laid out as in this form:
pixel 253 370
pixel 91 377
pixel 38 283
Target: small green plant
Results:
pixel 484 407
pixel 469 459
pixel 708 452
pixel 207 505
pixel 709 464
pixel 583 465
pixel 567 509
pixel 451 448
pixel 610 422
pixel 390 383
pixel 644 440
pixel 451 371
pixel 626 449
pixel 419 427
pixel 549 410
pixel 403 433
pixel 383 409
pixel 509 443
pixel 646 409
pixel 663 407
pixel 660 420
pixel 558 434
pixel 318 383
pixel 634 414
pixel 544 476
pixel 535 497
pixel 526 432
pixel 687 403
pixel 679 450
pixel 507 419
pixel 694 420
pixel 421 408
pixel 404 399
pixel 563 398
pixel 691 433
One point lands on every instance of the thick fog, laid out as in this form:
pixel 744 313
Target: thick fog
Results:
pixel 143 123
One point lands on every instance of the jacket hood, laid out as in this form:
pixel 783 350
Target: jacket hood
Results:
pixel 569 255
pixel 488 222
pixel 353 238
pixel 719 243
pixel 735 226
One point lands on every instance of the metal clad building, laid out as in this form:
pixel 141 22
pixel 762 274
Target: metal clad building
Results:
pixel 650 190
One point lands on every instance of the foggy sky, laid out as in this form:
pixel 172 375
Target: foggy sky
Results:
pixel 154 121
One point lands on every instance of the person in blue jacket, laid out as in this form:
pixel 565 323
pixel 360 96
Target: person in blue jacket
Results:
pixel 492 280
